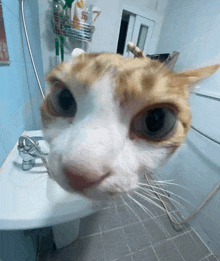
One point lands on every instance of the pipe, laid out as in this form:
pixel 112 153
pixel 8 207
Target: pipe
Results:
pixel 29 48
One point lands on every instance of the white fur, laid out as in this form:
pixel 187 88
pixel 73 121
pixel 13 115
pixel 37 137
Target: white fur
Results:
pixel 97 139
pixel 77 51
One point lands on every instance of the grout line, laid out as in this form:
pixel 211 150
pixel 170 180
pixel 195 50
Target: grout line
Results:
pixel 102 242
pixel 210 256
pixel 155 218
pixel 154 251
pixel 202 241
pixel 95 234
pixel 205 257
pixel 141 221
pixel 124 226
pixel 177 249
pixel 170 239
pixel 129 248
pixel 195 241
pixel 173 240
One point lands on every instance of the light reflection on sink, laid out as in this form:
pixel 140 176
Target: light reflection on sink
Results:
pixel 30 199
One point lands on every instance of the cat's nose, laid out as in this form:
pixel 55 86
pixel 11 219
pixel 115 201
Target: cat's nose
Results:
pixel 81 180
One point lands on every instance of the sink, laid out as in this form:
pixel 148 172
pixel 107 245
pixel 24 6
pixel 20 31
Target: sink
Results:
pixel 30 199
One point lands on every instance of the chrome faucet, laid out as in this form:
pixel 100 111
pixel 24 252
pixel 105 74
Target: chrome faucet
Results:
pixel 29 151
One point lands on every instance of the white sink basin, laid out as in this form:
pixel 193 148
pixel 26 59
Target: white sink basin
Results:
pixel 30 199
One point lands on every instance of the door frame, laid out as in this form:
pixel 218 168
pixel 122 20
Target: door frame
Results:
pixel 136 31
pixel 148 14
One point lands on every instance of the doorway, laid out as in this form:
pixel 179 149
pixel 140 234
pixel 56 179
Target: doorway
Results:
pixel 136 29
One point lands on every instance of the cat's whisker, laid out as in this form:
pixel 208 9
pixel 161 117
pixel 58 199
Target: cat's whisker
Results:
pixel 171 194
pixel 149 200
pixel 143 207
pixel 166 180
pixel 151 195
pixel 131 208
pixel 152 216
pixel 163 195
pixel 150 192
pixel 155 182
pixel 169 183
pixel 175 218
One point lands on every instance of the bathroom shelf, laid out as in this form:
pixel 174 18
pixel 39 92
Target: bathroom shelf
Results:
pixel 68 28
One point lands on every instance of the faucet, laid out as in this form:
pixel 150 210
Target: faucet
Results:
pixel 29 151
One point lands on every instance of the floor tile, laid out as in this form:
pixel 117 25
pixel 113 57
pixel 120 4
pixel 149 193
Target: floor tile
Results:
pixel 119 232
pixel 109 219
pixel 107 204
pixel 125 258
pixel 145 255
pixel 116 251
pixel 199 243
pixel 137 243
pixel 189 249
pixel 167 251
pixel 136 229
pixel 84 249
pixel 113 237
pixel 140 211
pixel 126 216
pixel 156 230
pixel 119 201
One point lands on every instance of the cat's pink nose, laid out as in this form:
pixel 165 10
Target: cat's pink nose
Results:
pixel 81 180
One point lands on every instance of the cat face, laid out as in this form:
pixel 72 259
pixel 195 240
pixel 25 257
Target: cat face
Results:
pixel 107 118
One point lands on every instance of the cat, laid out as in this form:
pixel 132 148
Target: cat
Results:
pixel 107 118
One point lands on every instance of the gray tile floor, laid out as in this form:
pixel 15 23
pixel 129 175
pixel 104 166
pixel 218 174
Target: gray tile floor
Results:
pixel 123 231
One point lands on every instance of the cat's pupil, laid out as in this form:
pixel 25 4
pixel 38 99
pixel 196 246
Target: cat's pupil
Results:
pixel 155 119
pixel 66 100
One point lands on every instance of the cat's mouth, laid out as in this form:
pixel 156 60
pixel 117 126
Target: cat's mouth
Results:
pixel 81 181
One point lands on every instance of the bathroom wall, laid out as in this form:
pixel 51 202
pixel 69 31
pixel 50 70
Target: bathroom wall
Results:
pixel 19 97
pixel 108 24
pixel 19 106
pixel 107 27
pixel 192 28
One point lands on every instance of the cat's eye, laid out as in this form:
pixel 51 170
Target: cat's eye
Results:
pixel 156 123
pixel 63 102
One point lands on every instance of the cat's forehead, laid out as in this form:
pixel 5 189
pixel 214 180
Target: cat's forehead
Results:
pixel 139 78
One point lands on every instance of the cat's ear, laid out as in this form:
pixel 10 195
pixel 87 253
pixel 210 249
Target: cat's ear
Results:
pixel 197 75
pixel 77 51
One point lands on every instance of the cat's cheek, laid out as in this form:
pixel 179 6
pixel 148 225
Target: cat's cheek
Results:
pixel 57 132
